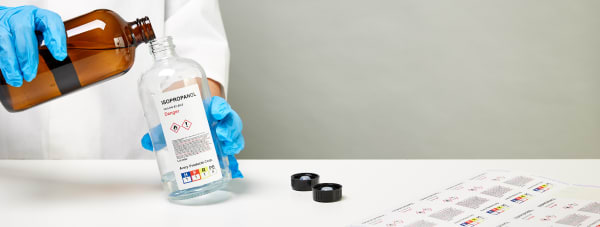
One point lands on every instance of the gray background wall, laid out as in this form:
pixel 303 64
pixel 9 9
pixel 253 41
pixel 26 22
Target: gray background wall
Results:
pixel 416 79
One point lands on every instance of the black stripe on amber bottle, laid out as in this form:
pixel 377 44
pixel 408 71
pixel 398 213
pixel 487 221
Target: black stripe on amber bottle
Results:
pixel 63 71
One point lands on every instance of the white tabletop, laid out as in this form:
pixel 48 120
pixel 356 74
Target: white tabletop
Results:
pixel 128 192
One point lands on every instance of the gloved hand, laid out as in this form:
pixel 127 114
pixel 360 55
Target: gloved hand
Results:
pixel 19 43
pixel 228 130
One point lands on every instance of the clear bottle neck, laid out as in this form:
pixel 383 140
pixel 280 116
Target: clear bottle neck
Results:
pixel 162 48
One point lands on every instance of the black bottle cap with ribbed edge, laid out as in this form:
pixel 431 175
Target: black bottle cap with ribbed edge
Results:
pixel 327 192
pixel 304 181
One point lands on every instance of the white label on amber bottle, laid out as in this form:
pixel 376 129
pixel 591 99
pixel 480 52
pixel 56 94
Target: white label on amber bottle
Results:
pixel 188 137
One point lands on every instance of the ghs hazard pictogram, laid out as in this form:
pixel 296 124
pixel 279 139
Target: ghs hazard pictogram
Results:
pixel 186 125
pixel 175 127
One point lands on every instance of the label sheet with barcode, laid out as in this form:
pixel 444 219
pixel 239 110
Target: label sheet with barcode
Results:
pixel 498 198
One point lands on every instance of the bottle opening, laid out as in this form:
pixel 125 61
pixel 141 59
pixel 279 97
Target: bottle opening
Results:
pixel 162 47
pixel 142 30
pixel 147 31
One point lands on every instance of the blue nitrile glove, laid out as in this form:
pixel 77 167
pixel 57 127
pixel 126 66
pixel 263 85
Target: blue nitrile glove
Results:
pixel 19 43
pixel 228 130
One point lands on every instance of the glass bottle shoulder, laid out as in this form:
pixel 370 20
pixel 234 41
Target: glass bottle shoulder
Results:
pixel 167 71
pixel 99 29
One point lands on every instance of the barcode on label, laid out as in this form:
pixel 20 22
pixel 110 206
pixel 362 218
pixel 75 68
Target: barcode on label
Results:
pixel 472 202
pixel 591 208
pixel 421 223
pixel 446 214
pixel 573 220
pixel 519 181
pixel 497 191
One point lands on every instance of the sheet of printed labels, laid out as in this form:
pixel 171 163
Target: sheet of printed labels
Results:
pixel 498 198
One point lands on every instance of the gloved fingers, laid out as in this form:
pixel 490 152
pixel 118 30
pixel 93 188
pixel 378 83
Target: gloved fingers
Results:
pixel 147 142
pixel 229 127
pixel 234 167
pixel 25 41
pixel 158 137
pixel 219 108
pixel 53 29
pixel 234 146
pixel 8 59
pixel 155 140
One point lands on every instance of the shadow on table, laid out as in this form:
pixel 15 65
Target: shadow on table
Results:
pixel 38 186
pixel 234 187
pixel 35 185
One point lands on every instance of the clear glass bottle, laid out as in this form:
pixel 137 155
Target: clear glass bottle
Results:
pixel 175 97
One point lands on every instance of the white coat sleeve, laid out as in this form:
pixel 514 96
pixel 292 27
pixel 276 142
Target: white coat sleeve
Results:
pixel 198 33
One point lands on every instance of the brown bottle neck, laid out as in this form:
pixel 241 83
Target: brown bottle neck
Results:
pixel 141 31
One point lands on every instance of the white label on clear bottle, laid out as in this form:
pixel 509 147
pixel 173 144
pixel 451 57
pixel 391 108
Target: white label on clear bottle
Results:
pixel 188 137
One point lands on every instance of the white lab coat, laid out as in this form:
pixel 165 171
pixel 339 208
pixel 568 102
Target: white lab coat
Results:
pixel 106 121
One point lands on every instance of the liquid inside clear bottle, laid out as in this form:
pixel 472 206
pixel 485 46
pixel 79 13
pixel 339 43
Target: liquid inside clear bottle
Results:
pixel 175 97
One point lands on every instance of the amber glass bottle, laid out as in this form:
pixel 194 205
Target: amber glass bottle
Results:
pixel 100 45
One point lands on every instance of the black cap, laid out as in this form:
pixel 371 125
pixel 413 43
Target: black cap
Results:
pixel 327 192
pixel 304 181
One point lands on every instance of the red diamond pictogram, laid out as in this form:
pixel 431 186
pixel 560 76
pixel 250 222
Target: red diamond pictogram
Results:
pixel 186 125
pixel 175 127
